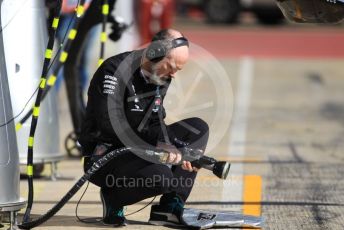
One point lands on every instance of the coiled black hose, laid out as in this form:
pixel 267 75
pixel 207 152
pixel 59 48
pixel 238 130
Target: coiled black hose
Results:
pixel 95 167
pixel 155 155
pixel 36 108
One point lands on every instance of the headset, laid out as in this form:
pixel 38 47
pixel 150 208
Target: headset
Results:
pixel 158 48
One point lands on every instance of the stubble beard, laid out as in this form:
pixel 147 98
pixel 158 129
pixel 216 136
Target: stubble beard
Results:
pixel 155 79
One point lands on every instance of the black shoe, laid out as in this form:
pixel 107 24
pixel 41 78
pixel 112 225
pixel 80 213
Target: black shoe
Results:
pixel 115 221
pixel 112 216
pixel 167 214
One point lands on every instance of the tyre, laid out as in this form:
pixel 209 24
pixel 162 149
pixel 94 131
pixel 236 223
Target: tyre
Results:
pixel 222 11
pixel 269 16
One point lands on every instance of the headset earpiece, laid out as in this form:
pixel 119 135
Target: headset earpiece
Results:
pixel 156 51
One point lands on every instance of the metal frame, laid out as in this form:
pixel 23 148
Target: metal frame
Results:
pixel 9 171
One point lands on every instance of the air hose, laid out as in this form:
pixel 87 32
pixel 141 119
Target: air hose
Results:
pixel 106 8
pixel 63 57
pixel 40 94
pixel 35 110
pixel 91 171
pixel 103 35
pixel 44 86
pixel 157 156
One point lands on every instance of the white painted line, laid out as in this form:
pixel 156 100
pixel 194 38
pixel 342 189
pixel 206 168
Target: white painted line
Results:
pixel 234 191
pixel 241 109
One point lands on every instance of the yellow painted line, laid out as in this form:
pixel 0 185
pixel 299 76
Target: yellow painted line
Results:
pixel 252 195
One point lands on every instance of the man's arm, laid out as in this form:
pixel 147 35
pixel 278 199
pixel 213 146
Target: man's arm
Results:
pixel 107 88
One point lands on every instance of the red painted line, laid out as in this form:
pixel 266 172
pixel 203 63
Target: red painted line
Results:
pixel 269 43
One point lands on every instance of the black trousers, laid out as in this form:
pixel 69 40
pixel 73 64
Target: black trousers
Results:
pixel 129 179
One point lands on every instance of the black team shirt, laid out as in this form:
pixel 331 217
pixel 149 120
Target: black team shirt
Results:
pixel 119 97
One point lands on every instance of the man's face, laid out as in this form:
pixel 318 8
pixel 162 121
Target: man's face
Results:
pixel 158 77
pixel 169 66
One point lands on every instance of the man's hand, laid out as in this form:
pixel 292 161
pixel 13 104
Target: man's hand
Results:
pixel 175 157
pixel 186 165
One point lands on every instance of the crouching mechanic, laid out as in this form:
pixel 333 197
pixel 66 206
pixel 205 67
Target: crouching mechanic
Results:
pixel 125 109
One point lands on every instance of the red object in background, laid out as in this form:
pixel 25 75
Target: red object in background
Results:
pixel 270 42
pixel 154 15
